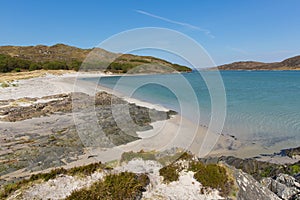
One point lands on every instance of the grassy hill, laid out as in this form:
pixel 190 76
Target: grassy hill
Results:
pixel 288 64
pixel 60 56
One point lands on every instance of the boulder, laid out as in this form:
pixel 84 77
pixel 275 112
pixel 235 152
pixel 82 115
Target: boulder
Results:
pixel 283 185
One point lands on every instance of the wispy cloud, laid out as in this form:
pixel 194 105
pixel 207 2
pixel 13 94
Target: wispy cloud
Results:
pixel 239 50
pixel 205 31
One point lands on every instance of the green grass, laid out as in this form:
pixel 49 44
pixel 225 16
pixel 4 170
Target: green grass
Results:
pixel 9 188
pixel 195 166
pixel 139 60
pixel 170 173
pixel 6 190
pixel 213 176
pixel 210 176
pixel 266 172
pixel 47 176
pixel 125 185
pixel 186 156
pixel 81 170
pixel 295 169
pixel 86 170
pixel 127 156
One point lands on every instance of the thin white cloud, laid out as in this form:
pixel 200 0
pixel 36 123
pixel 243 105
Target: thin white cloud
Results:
pixel 239 50
pixel 205 31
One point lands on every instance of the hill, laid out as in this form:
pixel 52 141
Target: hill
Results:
pixel 61 56
pixel 288 64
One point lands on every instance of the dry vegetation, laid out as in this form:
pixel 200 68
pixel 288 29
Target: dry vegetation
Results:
pixel 209 175
pixel 125 185
pixel 13 76
pixel 9 188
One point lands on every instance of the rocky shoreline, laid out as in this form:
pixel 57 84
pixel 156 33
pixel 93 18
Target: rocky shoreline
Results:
pixel 39 132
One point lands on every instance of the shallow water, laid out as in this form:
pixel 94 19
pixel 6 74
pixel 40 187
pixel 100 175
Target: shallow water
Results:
pixel 262 106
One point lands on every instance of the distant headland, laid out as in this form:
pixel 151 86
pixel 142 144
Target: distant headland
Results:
pixel 292 63
pixel 61 56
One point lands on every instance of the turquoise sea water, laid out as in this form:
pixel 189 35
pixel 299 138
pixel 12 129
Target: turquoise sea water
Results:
pixel 261 106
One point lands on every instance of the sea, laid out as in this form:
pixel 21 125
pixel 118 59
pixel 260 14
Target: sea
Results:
pixel 260 106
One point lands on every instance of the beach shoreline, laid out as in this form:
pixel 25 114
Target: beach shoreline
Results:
pixel 176 132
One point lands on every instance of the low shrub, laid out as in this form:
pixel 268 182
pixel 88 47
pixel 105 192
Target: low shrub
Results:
pixel 86 170
pixel 17 69
pixel 295 169
pixel 210 176
pixel 6 190
pixel 125 185
pixel 214 176
pixel 170 173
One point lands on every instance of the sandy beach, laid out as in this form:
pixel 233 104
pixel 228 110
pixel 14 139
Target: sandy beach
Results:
pixel 176 132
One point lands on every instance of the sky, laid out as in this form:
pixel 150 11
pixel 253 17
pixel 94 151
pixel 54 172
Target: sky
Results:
pixel 229 30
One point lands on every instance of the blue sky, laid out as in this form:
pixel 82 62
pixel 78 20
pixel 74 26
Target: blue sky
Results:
pixel 230 30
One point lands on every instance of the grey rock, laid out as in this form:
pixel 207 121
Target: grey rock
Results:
pixel 250 189
pixel 283 185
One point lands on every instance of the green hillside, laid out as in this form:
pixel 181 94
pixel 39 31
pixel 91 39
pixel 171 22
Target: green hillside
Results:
pixel 60 56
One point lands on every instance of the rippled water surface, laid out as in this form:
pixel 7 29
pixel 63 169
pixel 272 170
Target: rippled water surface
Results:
pixel 261 106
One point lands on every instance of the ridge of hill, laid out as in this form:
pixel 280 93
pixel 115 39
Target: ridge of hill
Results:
pixel 61 56
pixel 292 63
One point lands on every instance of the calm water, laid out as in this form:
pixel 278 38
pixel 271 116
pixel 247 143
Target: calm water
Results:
pixel 261 106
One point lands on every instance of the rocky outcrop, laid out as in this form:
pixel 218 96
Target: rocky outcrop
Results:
pixel 292 152
pixel 263 180
pixel 27 108
pixel 40 133
pixel 147 171
pixel 258 169
pixel 283 185
pixel 250 189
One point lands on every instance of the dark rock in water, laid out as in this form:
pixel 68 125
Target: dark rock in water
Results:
pixel 283 185
pixel 291 152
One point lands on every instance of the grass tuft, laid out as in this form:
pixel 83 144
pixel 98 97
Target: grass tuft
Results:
pixel 170 173
pixel 125 185
pixel 8 189
pixel 210 176
pixel 127 156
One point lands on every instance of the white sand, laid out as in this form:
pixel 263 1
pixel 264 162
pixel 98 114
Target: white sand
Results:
pixel 58 188
pixel 187 187
pixel 176 132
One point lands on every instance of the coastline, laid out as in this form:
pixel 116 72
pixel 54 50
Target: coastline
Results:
pixel 176 132
pixel 70 82
pixel 226 145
